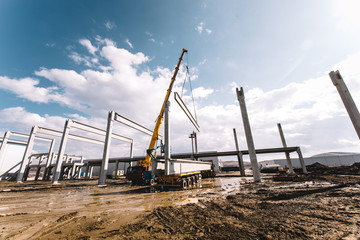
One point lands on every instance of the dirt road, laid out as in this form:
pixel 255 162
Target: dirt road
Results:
pixel 316 206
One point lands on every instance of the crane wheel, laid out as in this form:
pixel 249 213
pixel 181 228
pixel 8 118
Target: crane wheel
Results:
pixel 190 181
pixel 183 183
pixel 196 177
pixel 152 182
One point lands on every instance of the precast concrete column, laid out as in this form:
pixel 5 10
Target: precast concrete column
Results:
pixel 347 100
pixel 3 145
pixel 116 169
pixel 301 159
pixel 167 138
pixel 49 158
pixel 287 155
pixel 87 171
pixel 38 168
pixel 239 155
pixel 249 138
pixel 105 160
pixel 132 148
pixel 28 149
pixel 59 160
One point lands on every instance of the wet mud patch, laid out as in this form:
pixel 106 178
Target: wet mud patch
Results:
pixel 325 207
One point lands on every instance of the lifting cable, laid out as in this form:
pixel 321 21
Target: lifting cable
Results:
pixel 187 76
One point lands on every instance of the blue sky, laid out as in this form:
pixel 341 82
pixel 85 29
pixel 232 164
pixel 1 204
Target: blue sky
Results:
pixel 80 59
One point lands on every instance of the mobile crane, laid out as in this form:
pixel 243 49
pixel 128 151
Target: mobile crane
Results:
pixel 141 173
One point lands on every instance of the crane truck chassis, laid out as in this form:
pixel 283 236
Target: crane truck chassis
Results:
pixel 182 173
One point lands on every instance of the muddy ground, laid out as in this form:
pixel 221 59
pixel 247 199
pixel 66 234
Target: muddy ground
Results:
pixel 313 206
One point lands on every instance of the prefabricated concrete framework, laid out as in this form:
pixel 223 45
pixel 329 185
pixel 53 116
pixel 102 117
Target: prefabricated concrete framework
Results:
pixel 347 99
pixel 97 162
pixel 113 116
pixel 64 135
pixel 8 134
pixel 87 128
pixel 248 134
pixel 39 130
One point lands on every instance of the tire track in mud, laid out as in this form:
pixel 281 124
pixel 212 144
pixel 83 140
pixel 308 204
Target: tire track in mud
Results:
pixel 258 214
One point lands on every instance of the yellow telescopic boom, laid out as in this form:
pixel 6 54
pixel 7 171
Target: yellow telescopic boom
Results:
pixel 154 138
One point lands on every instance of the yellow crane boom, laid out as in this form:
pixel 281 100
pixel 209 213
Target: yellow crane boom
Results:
pixel 154 138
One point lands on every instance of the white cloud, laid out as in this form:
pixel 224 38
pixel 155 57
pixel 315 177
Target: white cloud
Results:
pixel 50 44
pixel 201 92
pixel 79 59
pixel 347 12
pixel 307 44
pixel 64 78
pixel 129 43
pixel 27 88
pixel 110 25
pixel 203 62
pixel 201 27
pixel 150 35
pixel 86 43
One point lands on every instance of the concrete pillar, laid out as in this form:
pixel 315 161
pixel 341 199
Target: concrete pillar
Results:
pixel 105 160
pixel 87 171
pixel 301 160
pixel 49 158
pixel 91 171
pixel 132 149
pixel 167 137
pixel 249 138
pixel 3 145
pixel 59 160
pixel 239 156
pixel 287 155
pixel 347 100
pixel 73 171
pixel 28 149
pixel 38 168
pixel 116 169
